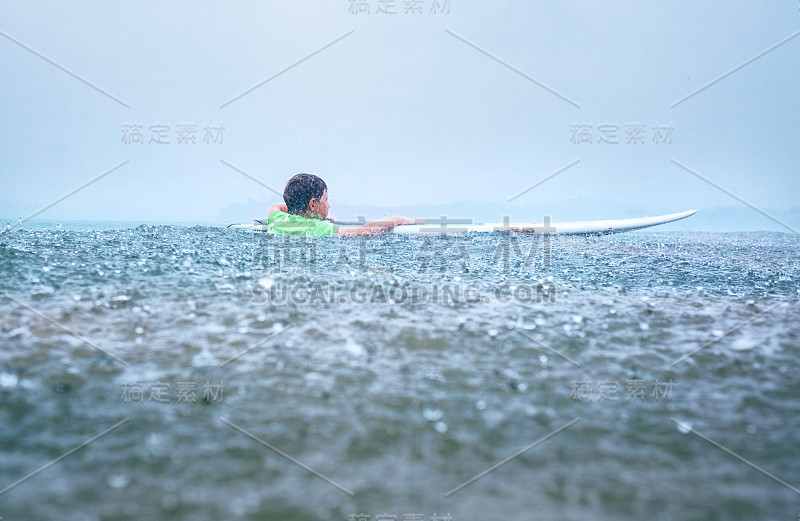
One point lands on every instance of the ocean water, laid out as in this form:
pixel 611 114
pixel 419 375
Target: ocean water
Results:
pixel 167 372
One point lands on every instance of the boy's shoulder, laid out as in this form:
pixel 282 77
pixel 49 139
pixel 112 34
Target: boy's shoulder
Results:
pixel 284 223
pixel 281 216
pixel 277 215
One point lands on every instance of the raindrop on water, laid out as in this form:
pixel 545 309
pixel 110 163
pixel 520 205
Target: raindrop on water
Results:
pixel 354 348
pixel 118 480
pixel 8 380
pixel 432 414
pixel 685 427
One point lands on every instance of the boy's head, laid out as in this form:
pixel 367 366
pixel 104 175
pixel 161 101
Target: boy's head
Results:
pixel 306 194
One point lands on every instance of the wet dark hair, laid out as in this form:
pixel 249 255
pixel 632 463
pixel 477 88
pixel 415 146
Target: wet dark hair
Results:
pixel 299 191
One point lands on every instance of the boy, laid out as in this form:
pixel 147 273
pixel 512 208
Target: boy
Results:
pixel 305 212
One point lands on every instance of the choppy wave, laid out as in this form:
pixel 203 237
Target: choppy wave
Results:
pixel 655 343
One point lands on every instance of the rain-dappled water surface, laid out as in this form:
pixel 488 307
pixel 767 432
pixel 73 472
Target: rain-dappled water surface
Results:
pixel 269 379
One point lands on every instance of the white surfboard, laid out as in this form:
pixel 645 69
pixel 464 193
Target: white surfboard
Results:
pixel 556 228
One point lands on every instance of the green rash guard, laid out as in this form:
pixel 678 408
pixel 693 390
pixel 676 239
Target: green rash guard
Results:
pixel 282 223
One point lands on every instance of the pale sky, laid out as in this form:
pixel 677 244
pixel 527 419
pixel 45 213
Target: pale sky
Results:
pixel 401 111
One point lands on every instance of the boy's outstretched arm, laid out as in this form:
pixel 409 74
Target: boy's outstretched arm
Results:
pixel 375 227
